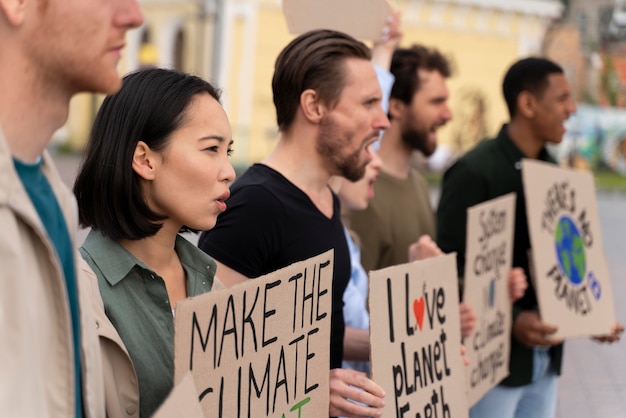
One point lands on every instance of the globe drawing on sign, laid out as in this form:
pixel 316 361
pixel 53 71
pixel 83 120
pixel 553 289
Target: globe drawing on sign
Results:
pixel 570 250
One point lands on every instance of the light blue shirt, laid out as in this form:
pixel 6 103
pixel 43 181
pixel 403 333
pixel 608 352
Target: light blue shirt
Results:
pixel 386 80
pixel 355 301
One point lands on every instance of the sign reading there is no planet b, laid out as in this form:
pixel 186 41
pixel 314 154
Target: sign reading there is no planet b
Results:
pixel 489 253
pixel 570 272
pixel 415 338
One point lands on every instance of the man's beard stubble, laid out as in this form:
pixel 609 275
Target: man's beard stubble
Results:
pixel 330 142
pixel 418 140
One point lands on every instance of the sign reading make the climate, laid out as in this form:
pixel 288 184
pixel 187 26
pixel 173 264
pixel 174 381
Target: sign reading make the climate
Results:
pixel 261 348
pixel 570 270
pixel 489 252
pixel 415 339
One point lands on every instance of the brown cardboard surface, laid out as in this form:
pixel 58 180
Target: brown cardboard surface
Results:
pixel 261 347
pixel 570 270
pixel 415 339
pixel 182 402
pixel 362 19
pixel 489 254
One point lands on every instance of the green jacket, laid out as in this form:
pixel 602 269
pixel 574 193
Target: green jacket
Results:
pixel 490 170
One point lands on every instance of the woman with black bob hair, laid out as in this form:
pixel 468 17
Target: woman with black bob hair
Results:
pixel 156 164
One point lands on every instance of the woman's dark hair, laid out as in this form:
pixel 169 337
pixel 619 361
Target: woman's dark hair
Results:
pixel 150 105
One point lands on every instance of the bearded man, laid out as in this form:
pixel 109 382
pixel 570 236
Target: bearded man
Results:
pixel 329 113
pixel 401 212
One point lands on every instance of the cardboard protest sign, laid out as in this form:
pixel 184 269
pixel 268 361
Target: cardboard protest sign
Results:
pixel 261 348
pixel 488 259
pixel 415 339
pixel 363 19
pixel 182 402
pixel 571 276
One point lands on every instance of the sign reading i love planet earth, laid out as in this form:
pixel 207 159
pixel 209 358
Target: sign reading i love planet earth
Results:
pixel 489 253
pixel 415 339
pixel 570 273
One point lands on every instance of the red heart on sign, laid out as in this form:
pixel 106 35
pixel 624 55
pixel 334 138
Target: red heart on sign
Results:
pixel 418 311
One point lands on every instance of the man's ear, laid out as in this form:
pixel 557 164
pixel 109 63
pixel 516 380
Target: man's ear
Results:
pixel 396 108
pixel 311 107
pixel 527 104
pixel 14 11
pixel 144 161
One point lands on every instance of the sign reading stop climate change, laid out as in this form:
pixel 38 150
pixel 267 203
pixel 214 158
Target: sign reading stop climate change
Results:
pixel 489 252
pixel 570 272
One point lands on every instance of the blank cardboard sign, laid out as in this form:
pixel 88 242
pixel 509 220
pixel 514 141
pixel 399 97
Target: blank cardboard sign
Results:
pixel 571 276
pixel 489 255
pixel 363 19
pixel 260 348
pixel 415 337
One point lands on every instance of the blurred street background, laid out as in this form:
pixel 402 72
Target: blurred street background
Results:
pixel 234 43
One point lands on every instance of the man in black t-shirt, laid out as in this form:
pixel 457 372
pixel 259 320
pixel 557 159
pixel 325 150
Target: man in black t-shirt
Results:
pixel 328 105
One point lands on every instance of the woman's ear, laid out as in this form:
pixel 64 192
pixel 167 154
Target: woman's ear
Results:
pixel 144 161
pixel 311 107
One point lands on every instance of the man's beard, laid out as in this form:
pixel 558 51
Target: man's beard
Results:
pixel 330 142
pixel 418 140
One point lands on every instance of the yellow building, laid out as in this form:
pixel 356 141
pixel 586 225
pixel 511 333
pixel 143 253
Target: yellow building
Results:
pixel 235 43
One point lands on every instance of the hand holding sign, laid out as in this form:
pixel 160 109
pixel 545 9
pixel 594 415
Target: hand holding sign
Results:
pixel 468 319
pixel 614 336
pixel 350 384
pixel 423 248
pixel 384 47
pixel 517 283
pixel 531 331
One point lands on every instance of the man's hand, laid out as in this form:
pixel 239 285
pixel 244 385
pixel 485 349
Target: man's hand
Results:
pixel 349 384
pixel 531 331
pixel 383 47
pixel 614 336
pixel 466 360
pixel 423 248
pixel 468 319
pixel 517 283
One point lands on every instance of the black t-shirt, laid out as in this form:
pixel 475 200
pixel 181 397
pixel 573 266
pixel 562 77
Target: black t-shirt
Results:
pixel 269 224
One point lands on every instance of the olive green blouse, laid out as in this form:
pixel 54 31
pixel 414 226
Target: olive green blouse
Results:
pixel 136 302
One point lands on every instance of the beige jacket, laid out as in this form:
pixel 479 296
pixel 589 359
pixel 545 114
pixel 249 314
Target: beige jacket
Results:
pixel 36 361
pixel 120 380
